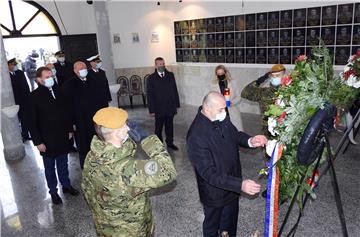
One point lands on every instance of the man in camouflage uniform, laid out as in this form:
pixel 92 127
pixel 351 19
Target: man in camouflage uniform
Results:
pixel 263 89
pixel 115 184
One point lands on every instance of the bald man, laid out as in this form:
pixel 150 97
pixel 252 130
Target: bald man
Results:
pixel 213 148
pixel 83 100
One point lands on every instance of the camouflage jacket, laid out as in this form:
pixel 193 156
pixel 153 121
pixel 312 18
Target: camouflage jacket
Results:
pixel 115 185
pixel 262 95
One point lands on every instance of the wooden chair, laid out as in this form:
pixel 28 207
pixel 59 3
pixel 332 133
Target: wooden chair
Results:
pixel 136 89
pixel 124 89
pixel 145 84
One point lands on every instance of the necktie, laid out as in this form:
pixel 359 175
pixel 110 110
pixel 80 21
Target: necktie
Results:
pixel 162 75
pixel 52 92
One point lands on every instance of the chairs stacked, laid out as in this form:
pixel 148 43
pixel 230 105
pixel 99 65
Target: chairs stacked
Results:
pixel 133 87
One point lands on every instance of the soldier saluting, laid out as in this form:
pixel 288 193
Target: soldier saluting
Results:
pixel 115 184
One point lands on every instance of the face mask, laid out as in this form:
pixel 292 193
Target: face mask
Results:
pixel 53 70
pixel 221 77
pixel 98 65
pixel 49 82
pixel 275 81
pixel 221 116
pixel 15 68
pixel 61 59
pixel 83 73
pixel 161 69
pixel 125 138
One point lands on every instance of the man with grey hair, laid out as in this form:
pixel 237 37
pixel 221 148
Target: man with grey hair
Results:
pixel 213 147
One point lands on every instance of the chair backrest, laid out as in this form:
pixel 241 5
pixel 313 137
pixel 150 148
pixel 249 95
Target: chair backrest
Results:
pixel 145 82
pixel 124 86
pixel 135 85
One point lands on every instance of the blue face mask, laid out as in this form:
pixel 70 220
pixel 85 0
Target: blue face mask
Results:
pixel 83 73
pixel 98 65
pixel 53 70
pixel 49 82
pixel 15 68
pixel 275 81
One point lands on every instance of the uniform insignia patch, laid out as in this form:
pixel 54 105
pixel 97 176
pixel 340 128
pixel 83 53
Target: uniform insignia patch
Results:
pixel 151 167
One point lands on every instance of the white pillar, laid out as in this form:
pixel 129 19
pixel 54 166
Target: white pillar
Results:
pixel 10 130
pixel 104 41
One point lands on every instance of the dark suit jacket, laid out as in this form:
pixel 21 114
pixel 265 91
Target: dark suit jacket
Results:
pixel 64 73
pixel 213 149
pixel 84 99
pixel 101 79
pixel 49 121
pixel 162 94
pixel 20 87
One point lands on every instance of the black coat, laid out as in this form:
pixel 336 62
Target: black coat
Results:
pixel 101 79
pixel 20 87
pixel 49 121
pixel 83 100
pixel 64 72
pixel 162 94
pixel 213 149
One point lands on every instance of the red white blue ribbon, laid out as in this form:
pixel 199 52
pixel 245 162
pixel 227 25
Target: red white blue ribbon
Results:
pixel 272 201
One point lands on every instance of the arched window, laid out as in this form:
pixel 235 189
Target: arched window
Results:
pixel 26 18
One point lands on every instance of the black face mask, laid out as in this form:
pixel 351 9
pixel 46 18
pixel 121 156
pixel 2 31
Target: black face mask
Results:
pixel 221 77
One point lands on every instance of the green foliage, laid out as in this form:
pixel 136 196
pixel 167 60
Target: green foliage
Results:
pixel 313 84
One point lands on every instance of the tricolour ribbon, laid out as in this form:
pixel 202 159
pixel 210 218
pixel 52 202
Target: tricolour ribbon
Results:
pixel 271 213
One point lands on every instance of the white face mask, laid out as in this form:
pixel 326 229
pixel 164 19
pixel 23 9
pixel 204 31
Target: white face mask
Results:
pixel 83 73
pixel 275 81
pixel 61 59
pixel 220 117
pixel 125 138
pixel 15 68
pixel 49 82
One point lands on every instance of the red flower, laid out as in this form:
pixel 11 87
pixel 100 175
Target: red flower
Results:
pixel 347 74
pixel 358 53
pixel 286 80
pixel 282 117
pixel 301 58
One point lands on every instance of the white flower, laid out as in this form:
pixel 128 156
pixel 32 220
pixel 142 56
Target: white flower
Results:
pixel 347 68
pixel 270 147
pixel 280 102
pixel 271 126
pixel 353 81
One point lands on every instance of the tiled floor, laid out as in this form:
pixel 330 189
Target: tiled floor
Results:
pixel 26 208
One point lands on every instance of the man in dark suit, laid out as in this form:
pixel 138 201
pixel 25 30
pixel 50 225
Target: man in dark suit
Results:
pixel 83 100
pixel 21 92
pixel 213 147
pixel 99 76
pixel 50 129
pixel 64 69
pixel 163 101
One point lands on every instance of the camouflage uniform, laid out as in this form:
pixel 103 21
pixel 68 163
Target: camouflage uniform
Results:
pixel 262 95
pixel 115 185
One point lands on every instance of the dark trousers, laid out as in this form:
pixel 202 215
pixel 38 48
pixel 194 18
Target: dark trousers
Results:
pixel 61 163
pixel 169 128
pixel 219 219
pixel 82 157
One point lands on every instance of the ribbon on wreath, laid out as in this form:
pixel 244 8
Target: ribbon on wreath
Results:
pixel 272 201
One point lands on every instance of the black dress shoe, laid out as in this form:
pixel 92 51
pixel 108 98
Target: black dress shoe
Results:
pixel 56 199
pixel 71 190
pixel 172 146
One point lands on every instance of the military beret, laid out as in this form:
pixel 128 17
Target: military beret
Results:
pixel 94 58
pixel 59 53
pixel 111 117
pixel 13 60
pixel 277 68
